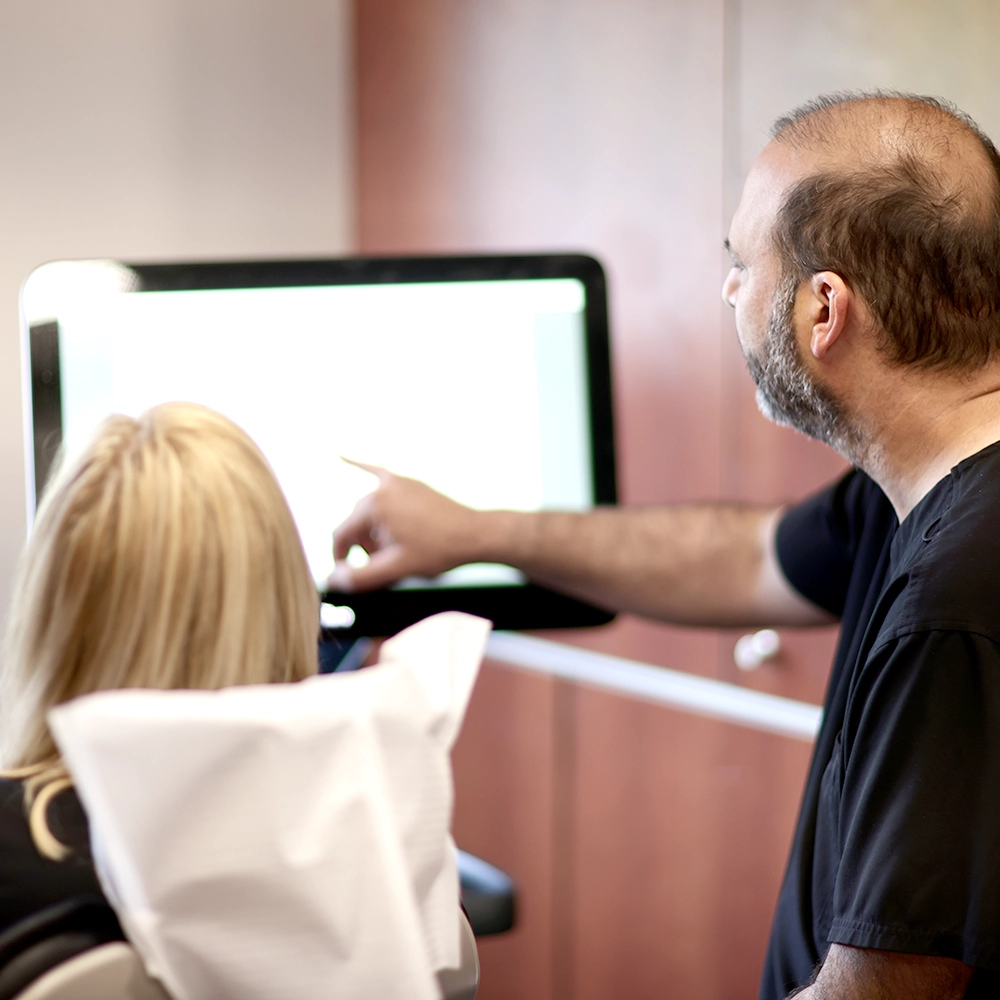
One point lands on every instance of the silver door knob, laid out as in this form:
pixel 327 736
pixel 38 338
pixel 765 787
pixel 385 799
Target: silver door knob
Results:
pixel 753 650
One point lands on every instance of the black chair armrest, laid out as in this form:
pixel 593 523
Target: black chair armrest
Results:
pixel 51 936
pixel 488 895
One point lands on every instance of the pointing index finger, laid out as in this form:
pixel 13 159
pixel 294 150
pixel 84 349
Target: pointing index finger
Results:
pixel 375 470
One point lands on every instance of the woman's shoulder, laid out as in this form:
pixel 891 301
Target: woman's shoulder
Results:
pixel 64 815
pixel 11 795
pixel 28 881
pixel 14 829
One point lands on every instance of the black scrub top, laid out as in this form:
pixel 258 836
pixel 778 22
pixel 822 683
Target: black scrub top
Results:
pixel 30 882
pixel 897 845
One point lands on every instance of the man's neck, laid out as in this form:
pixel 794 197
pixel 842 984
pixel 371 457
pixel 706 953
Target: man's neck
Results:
pixel 924 426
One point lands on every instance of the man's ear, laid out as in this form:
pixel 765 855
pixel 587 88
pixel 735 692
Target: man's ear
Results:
pixel 829 308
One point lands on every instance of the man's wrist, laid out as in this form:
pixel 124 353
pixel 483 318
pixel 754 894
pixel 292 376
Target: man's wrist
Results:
pixel 499 536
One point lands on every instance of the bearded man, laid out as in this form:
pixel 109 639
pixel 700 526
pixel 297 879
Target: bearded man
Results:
pixel 866 284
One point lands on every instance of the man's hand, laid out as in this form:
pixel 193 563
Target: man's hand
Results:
pixel 865 974
pixel 407 529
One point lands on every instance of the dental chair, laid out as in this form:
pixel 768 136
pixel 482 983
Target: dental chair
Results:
pixel 73 950
pixel 69 952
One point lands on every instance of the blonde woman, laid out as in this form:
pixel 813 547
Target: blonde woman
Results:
pixel 164 556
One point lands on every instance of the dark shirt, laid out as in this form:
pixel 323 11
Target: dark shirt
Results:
pixel 897 845
pixel 29 882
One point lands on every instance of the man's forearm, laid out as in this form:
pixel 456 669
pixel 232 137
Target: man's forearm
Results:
pixel 866 974
pixel 702 564
pixel 698 564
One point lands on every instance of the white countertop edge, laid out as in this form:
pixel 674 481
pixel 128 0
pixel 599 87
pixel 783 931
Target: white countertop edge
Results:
pixel 645 682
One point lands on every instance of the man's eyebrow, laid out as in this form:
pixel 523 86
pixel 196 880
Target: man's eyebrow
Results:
pixel 729 249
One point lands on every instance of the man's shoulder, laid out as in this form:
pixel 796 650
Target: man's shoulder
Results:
pixel 827 540
pixel 948 569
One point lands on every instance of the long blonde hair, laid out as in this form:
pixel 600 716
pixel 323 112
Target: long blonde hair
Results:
pixel 165 556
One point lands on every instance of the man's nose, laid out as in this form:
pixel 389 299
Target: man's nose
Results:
pixel 731 286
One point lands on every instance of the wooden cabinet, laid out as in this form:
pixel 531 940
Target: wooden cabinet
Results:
pixel 648 844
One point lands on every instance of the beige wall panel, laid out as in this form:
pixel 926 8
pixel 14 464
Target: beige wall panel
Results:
pixel 163 129
pixel 791 51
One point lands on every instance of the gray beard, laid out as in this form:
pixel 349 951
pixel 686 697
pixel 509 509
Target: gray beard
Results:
pixel 788 394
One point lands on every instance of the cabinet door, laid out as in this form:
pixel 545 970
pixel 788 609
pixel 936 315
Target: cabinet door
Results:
pixel 648 844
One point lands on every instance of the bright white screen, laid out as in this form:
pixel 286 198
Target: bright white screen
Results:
pixel 477 388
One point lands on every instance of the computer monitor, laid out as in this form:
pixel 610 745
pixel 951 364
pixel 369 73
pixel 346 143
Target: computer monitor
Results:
pixel 486 377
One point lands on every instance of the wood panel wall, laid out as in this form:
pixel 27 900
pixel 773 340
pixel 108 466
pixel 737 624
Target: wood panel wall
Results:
pixel 648 844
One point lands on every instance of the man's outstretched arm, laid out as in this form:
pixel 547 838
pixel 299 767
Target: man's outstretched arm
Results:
pixel 864 974
pixel 702 564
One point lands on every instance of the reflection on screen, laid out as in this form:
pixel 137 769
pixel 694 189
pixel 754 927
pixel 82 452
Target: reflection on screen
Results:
pixel 478 388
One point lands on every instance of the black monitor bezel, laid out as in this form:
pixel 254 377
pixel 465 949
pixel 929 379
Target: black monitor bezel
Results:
pixel 385 612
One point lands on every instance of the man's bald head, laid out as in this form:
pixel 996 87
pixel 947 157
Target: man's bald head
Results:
pixel 900 195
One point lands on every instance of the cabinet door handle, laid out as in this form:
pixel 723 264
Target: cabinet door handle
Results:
pixel 756 648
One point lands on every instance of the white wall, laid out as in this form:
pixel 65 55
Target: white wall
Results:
pixel 788 51
pixel 161 129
